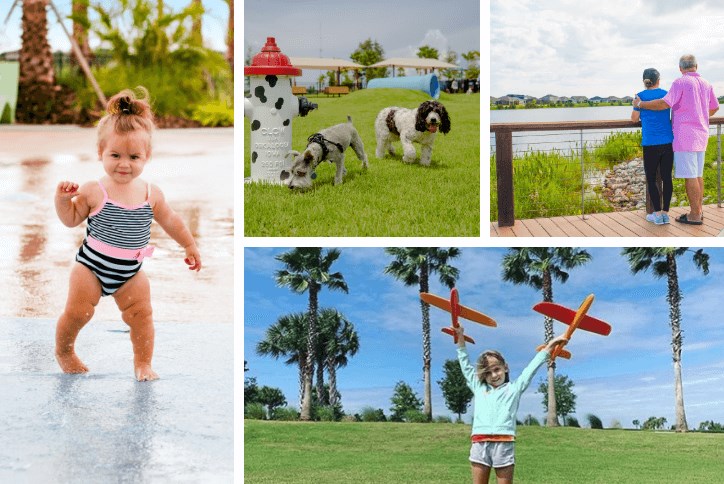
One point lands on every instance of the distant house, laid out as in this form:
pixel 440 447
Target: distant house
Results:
pixel 564 99
pixel 597 99
pixel 613 99
pixel 627 99
pixel 548 99
pixel 579 99
pixel 10 56
pixel 508 101
pixel 721 99
pixel 493 99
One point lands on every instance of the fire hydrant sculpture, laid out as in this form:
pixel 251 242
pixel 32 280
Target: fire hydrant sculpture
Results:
pixel 271 108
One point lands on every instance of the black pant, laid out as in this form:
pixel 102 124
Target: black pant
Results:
pixel 659 157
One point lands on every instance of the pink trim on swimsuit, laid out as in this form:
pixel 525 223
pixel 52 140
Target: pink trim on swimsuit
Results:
pixel 117 252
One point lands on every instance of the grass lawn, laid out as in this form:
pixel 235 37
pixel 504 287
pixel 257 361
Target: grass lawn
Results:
pixel 391 199
pixel 321 452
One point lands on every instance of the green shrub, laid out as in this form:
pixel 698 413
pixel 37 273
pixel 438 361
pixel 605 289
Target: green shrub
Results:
pixel 531 420
pixel 350 418
pixel 415 416
pixel 326 414
pixel 442 419
pixel 214 114
pixel 370 414
pixel 7 115
pixel 571 422
pixel 286 414
pixel 254 411
pixel 594 421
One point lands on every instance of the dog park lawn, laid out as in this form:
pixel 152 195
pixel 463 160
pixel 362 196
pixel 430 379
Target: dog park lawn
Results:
pixel 391 198
pixel 333 452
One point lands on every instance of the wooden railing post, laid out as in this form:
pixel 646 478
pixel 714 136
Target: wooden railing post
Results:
pixel 504 169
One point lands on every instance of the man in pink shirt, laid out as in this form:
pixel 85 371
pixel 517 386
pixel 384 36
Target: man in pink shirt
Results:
pixel 692 101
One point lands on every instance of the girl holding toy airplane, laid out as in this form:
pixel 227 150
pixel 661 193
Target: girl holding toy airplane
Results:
pixel 496 405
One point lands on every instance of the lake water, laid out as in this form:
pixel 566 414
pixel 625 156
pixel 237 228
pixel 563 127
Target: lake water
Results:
pixel 564 141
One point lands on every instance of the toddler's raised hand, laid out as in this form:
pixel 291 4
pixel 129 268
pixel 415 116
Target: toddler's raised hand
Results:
pixel 66 190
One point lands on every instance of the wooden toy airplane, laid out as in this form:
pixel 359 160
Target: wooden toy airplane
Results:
pixel 457 310
pixel 574 320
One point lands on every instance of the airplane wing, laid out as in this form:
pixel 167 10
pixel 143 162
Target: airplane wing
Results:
pixel 438 301
pixel 566 315
pixel 451 332
pixel 464 311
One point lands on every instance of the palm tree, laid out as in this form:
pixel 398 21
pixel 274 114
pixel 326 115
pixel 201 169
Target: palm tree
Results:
pixel 538 267
pixel 80 28
pixel 308 269
pixel 413 265
pixel 338 340
pixel 230 37
pixel 37 77
pixel 287 338
pixel 662 260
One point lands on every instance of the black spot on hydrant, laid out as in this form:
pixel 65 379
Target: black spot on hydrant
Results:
pixel 279 103
pixel 271 80
pixel 286 122
pixel 256 124
pixel 283 175
pixel 254 155
pixel 259 92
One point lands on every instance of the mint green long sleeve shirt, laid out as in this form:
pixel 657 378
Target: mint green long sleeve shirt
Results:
pixel 496 408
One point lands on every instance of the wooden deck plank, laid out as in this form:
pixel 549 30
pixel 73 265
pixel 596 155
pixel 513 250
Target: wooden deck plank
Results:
pixel 614 224
pixel 569 230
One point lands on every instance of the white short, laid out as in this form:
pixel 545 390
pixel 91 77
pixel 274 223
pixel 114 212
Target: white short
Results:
pixel 493 454
pixel 688 164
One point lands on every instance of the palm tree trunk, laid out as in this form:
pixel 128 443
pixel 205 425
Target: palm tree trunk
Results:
pixel 332 382
pixel 230 38
pixel 80 33
pixel 36 91
pixel 306 412
pixel 301 383
pixel 674 299
pixel 552 415
pixel 322 398
pixel 426 346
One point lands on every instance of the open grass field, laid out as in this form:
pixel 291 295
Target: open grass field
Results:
pixel 333 452
pixel 391 199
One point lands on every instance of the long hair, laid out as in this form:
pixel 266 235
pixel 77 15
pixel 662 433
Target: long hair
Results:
pixel 127 112
pixel 484 362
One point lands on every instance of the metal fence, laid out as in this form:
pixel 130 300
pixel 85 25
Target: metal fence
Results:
pixel 593 156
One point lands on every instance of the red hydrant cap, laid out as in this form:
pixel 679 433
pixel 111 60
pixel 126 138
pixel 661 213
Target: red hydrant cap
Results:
pixel 271 61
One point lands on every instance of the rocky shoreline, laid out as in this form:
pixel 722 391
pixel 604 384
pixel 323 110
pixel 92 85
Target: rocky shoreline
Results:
pixel 625 186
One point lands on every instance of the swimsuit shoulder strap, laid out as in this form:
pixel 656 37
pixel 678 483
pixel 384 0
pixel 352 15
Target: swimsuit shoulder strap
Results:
pixel 103 203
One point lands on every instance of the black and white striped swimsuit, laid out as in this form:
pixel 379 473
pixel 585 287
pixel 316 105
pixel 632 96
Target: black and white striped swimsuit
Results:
pixel 116 241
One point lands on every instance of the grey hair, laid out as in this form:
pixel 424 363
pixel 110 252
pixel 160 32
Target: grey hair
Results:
pixel 687 61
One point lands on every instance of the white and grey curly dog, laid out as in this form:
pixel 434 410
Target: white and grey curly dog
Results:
pixel 329 144
pixel 411 126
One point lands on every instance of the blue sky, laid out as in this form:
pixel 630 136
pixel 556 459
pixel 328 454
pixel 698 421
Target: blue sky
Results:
pixel 329 28
pixel 557 47
pixel 214 24
pixel 625 376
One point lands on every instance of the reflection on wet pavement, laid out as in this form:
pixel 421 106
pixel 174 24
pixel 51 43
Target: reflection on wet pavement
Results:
pixel 194 169
pixel 106 427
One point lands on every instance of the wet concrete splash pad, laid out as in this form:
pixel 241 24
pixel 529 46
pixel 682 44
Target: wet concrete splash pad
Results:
pixel 105 426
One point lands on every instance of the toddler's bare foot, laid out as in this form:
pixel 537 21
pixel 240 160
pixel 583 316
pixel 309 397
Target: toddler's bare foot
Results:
pixel 70 363
pixel 145 373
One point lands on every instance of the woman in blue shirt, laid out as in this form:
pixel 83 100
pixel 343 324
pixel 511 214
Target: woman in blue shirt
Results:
pixel 656 139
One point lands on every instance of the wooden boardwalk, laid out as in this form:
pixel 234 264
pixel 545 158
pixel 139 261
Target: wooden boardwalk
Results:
pixel 614 224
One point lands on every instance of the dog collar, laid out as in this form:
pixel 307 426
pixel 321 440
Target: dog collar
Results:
pixel 321 140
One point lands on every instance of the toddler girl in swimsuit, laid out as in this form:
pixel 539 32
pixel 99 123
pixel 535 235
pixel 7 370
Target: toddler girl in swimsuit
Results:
pixel 119 208
pixel 496 405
